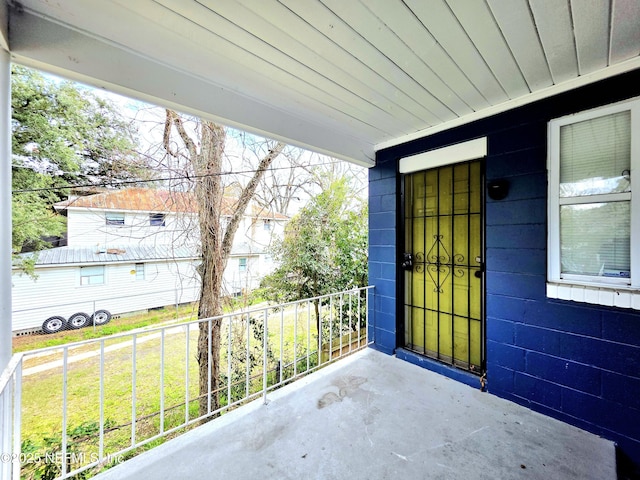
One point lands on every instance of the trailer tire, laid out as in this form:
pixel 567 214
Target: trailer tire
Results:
pixel 101 317
pixel 78 320
pixel 54 324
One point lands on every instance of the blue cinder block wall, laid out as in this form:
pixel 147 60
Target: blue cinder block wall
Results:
pixel 383 219
pixel 573 361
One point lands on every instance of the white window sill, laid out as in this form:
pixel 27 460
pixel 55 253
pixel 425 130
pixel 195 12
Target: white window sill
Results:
pixel 623 297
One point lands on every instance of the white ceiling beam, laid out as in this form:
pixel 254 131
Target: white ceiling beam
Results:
pixel 50 46
pixel 4 25
pixel 6 246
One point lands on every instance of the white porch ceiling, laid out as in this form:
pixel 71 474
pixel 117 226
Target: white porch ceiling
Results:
pixel 342 77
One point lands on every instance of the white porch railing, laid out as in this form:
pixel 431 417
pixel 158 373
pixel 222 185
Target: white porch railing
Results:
pixel 85 405
pixel 10 412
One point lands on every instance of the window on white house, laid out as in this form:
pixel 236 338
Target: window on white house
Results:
pixel 139 271
pixel 267 225
pixel 157 219
pixel 114 218
pixel 242 264
pixel 93 275
pixel 591 225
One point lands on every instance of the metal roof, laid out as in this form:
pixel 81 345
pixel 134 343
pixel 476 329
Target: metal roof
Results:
pixel 155 200
pixel 138 199
pixel 101 255
pixel 341 77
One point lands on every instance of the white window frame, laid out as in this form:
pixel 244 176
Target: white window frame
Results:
pixel 242 266
pixel 89 276
pixel 622 292
pixel 140 269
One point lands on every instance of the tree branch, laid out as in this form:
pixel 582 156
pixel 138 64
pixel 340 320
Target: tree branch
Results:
pixel 245 197
pixel 175 119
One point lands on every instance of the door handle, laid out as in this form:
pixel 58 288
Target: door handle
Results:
pixel 407 262
pixel 478 273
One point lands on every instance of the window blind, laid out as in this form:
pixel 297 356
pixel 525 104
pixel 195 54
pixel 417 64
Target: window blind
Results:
pixel 595 239
pixel 595 156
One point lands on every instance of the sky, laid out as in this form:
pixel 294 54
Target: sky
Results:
pixel 148 122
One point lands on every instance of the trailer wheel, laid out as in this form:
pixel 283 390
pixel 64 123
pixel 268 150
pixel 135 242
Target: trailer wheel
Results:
pixel 54 324
pixel 101 317
pixel 78 320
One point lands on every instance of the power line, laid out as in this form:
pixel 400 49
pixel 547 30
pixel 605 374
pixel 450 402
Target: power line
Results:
pixel 162 179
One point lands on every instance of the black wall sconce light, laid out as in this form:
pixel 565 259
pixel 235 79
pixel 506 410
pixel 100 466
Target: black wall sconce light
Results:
pixel 498 189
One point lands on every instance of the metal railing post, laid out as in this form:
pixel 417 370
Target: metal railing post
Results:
pixel 133 388
pixel 186 374
pixel 101 433
pixel 229 359
pixel 331 327
pixel 320 332
pixel 247 358
pixel 162 340
pixel 295 341
pixel 265 362
pixel 308 333
pixel 281 344
pixel 350 326
pixel 209 366
pixel 11 418
pixel 65 371
pixel 6 407
pixel 17 418
pixel 367 296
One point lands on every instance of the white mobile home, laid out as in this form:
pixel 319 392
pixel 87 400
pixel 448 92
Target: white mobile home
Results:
pixel 76 285
pixel 131 250
pixel 142 216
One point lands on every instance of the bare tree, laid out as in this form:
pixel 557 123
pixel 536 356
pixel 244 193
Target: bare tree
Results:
pixel 300 175
pixel 284 182
pixel 205 155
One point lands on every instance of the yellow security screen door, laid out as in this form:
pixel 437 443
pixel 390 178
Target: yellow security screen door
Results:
pixel 443 280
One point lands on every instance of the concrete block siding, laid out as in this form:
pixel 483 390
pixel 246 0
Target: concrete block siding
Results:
pixel 383 182
pixel 576 362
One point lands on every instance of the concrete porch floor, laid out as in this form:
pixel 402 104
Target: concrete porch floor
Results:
pixel 372 416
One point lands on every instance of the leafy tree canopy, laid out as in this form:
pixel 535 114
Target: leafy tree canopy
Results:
pixel 324 248
pixel 61 134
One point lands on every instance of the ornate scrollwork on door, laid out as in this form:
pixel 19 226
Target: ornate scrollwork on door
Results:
pixel 439 264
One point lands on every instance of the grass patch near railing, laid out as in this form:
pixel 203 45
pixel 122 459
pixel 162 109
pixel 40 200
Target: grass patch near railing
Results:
pixel 42 392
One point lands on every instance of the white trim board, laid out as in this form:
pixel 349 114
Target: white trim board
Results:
pixel 459 152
